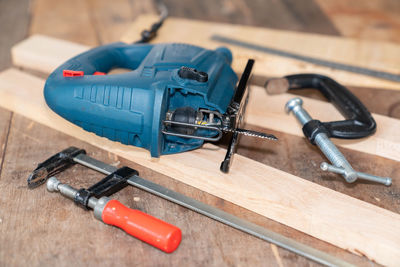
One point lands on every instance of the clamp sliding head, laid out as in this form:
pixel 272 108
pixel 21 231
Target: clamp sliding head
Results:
pixel 359 123
pixel 147 228
pixel 112 183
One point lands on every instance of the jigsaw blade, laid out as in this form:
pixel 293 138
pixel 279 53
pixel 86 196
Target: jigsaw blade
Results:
pixel 252 133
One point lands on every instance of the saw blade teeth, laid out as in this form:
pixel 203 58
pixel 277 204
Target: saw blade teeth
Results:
pixel 252 134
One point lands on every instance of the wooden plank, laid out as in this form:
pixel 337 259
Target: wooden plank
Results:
pixel 300 15
pixel 205 242
pixel 59 227
pixel 69 20
pixel 376 55
pixel 217 252
pixel 5 122
pixel 107 22
pixel 14 21
pixel 97 21
pixel 300 204
pixel 14 27
pixel 111 20
pixel 369 54
pixel 391 110
pixel 297 156
pixel 377 19
pixel 42 53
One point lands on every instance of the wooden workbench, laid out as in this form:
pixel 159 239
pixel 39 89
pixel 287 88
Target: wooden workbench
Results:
pixel 30 235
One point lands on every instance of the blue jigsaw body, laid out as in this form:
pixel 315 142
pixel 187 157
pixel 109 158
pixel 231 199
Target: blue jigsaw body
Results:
pixel 130 107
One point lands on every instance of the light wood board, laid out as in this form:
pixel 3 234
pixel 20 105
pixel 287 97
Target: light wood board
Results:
pixel 383 56
pixel 376 55
pixel 44 54
pixel 205 243
pixel 373 20
pixel 366 230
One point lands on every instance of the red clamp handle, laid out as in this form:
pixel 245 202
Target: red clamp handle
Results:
pixel 149 229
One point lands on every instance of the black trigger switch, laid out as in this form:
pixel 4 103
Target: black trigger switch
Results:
pixel 193 74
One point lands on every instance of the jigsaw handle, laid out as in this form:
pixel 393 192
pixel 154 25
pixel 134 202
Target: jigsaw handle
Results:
pixel 117 106
pixel 149 229
pixel 107 57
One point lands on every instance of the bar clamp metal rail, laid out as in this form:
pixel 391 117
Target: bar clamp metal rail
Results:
pixel 96 197
pixel 149 229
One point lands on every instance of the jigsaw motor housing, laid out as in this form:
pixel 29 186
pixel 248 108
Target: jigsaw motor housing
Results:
pixel 130 107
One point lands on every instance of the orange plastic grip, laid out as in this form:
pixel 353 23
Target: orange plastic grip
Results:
pixel 147 228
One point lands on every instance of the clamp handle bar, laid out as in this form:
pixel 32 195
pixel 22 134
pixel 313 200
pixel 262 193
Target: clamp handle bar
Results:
pixel 359 122
pixel 145 227
pixel 136 223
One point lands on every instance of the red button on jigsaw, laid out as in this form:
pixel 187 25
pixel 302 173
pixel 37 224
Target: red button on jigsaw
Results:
pixel 72 73
pixel 99 73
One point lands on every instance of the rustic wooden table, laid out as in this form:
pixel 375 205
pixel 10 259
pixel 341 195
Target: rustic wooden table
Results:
pixel 40 228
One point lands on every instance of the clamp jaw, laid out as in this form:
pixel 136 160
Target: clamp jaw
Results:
pixel 359 122
pixel 53 165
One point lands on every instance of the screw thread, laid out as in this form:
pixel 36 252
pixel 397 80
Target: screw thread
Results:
pixel 331 151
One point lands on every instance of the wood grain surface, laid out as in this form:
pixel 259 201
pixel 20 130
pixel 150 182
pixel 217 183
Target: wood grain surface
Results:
pixel 5 122
pixel 298 15
pixel 55 231
pixel 375 19
pixel 257 187
pixel 42 53
pixel 14 21
pixel 45 53
pixel 381 56
pixel 215 245
pixel 49 229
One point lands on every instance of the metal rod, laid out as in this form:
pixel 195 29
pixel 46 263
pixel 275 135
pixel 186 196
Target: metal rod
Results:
pixel 322 62
pixel 194 126
pixel 217 214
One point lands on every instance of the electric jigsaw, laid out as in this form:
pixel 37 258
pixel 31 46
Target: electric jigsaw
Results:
pixel 173 98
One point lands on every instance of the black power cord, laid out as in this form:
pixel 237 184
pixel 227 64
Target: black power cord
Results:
pixel 148 35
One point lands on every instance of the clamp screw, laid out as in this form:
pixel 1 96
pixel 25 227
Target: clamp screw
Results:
pixel 52 184
pixel 340 164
